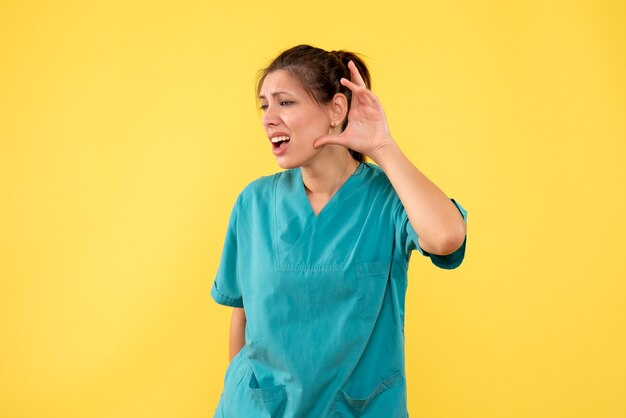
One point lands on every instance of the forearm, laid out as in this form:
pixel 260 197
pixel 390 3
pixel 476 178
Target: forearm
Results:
pixel 437 222
pixel 237 332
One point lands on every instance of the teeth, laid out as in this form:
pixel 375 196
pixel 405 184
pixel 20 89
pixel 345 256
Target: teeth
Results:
pixel 279 139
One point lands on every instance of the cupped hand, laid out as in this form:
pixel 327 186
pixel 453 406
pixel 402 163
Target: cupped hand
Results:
pixel 367 131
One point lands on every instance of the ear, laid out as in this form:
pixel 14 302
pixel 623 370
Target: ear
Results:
pixel 338 109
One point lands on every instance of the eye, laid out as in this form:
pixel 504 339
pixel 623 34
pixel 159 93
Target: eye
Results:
pixel 263 107
pixel 286 102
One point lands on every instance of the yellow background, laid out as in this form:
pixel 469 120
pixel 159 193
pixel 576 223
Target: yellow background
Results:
pixel 128 128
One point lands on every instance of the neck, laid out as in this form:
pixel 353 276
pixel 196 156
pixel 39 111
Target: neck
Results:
pixel 328 171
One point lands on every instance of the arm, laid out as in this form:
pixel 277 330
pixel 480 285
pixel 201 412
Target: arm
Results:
pixel 438 223
pixel 237 332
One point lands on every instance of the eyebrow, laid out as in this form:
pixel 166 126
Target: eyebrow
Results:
pixel 276 93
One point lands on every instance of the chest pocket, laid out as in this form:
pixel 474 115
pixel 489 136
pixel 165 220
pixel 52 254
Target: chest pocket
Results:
pixel 372 278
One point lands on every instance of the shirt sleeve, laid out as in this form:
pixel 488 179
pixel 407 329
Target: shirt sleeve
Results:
pixel 408 241
pixel 226 289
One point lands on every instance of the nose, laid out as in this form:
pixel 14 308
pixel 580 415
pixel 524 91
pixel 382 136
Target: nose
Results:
pixel 270 117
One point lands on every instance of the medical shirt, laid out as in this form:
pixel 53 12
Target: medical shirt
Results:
pixel 324 298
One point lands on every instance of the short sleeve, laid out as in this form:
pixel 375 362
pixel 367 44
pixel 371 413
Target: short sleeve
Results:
pixel 408 239
pixel 226 289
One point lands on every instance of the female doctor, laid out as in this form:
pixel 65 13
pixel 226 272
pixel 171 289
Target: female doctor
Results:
pixel 315 257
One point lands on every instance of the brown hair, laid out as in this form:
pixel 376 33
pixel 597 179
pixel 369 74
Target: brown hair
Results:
pixel 319 72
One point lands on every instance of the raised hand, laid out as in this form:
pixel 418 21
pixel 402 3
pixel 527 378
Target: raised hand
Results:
pixel 367 131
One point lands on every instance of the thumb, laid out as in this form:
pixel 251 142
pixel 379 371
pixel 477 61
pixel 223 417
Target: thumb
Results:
pixel 328 139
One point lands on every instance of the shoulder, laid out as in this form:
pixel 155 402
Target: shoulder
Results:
pixel 380 191
pixel 374 172
pixel 377 179
pixel 262 187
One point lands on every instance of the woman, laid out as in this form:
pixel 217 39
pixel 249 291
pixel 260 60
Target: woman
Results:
pixel 316 256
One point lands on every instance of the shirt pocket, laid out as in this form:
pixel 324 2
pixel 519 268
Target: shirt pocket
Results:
pixel 384 398
pixel 250 400
pixel 371 281
pixel 271 398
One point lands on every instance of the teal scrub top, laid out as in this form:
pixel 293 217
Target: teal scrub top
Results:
pixel 324 298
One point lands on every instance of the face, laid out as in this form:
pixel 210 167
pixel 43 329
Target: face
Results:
pixel 292 120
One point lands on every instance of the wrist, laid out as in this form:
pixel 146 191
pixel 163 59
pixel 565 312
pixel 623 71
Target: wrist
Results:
pixel 386 153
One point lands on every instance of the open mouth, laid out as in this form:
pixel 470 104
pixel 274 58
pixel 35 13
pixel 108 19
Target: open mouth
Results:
pixel 279 142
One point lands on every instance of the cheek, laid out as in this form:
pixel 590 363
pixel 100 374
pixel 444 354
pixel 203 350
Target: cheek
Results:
pixel 310 127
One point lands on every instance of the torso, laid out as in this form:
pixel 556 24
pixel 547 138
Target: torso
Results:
pixel 323 280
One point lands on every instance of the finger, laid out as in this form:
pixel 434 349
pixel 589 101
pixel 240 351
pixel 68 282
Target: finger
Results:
pixel 350 84
pixel 355 74
pixel 356 89
pixel 329 139
pixel 362 94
